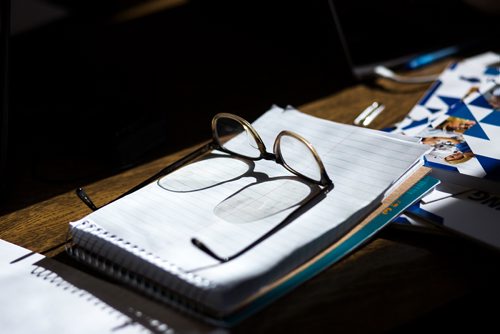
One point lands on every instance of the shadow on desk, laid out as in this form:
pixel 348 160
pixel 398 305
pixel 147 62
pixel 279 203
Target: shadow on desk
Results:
pixel 400 282
pixel 111 297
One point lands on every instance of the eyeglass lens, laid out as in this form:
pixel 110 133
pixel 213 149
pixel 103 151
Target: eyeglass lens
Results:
pixel 299 157
pixel 236 138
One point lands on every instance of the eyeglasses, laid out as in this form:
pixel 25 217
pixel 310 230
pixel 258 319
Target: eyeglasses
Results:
pixel 235 136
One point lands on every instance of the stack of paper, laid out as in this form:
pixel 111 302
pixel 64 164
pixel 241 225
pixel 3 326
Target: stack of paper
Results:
pixel 459 117
pixel 146 237
pixel 45 296
pixel 36 298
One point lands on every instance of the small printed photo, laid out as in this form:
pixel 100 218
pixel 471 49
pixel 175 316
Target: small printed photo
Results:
pixel 447 149
pixel 458 157
pixel 493 97
pixel 440 142
pixel 456 124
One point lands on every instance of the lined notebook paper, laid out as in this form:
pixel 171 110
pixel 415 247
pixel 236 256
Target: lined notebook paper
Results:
pixel 228 203
pixel 44 296
pixel 36 299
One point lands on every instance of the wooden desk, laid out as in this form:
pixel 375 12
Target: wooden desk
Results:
pixel 399 280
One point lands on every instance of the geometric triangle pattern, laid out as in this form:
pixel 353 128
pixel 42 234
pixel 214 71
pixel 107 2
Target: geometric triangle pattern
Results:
pixel 433 110
pixel 463 91
pixel 480 101
pixel 485 147
pixel 430 92
pixel 477 131
pixel 478 112
pixel 492 118
pixel 491 166
pixel 450 101
pixel 461 111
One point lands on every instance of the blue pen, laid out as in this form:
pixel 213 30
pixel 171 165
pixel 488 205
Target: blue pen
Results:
pixel 428 58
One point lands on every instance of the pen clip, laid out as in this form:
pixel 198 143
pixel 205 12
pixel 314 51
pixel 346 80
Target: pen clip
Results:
pixel 369 114
pixel 373 114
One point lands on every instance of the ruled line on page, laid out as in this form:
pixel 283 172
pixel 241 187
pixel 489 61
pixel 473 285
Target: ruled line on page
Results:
pixel 361 163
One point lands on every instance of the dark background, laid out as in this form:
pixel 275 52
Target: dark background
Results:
pixel 97 87
pixel 92 94
pixel 387 29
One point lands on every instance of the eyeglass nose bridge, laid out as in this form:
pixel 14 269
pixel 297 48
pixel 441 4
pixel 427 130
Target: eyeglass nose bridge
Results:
pixel 272 157
pixel 276 155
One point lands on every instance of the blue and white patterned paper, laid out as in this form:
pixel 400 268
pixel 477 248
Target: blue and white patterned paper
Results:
pixel 455 83
pixel 483 138
pixel 459 116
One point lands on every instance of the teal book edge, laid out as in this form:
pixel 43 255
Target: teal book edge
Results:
pixel 395 208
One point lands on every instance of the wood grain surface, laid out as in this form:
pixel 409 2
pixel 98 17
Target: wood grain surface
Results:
pixel 400 280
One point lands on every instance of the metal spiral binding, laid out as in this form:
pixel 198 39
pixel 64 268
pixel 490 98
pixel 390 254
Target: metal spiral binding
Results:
pixel 86 251
pixel 54 278
pixel 130 319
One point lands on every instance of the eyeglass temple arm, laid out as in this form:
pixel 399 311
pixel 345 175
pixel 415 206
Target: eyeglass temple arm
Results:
pixel 85 198
pixel 293 215
pixel 82 195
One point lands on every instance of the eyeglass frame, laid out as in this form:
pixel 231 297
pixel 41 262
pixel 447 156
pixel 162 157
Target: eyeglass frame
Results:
pixel 215 144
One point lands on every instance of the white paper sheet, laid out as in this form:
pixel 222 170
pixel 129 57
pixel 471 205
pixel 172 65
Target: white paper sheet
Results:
pixel 362 163
pixel 36 300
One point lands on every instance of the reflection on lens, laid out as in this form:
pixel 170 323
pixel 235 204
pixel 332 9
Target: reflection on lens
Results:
pixel 299 157
pixel 262 200
pixel 203 174
pixel 233 136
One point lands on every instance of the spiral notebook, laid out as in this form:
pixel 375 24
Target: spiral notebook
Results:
pixel 35 298
pixel 144 239
pixel 43 295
